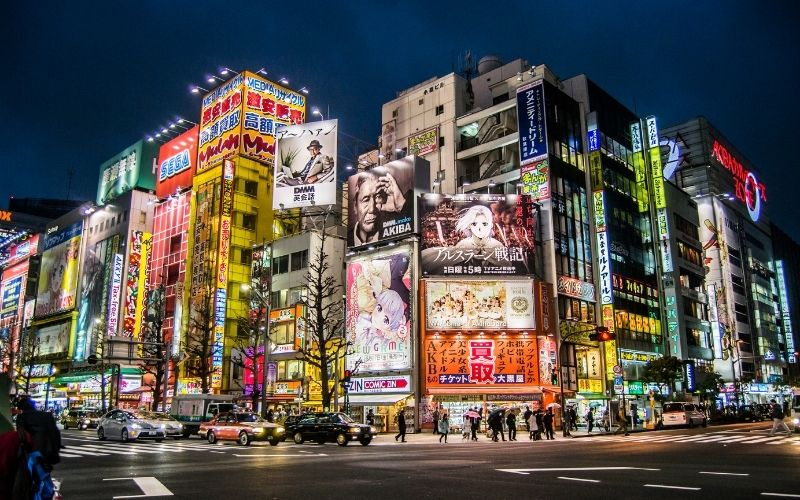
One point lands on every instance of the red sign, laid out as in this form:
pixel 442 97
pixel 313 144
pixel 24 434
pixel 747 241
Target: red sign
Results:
pixel 177 162
pixel 746 187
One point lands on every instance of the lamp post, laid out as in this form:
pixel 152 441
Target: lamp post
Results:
pixel 53 371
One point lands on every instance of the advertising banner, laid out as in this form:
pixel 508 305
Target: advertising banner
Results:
pixel 131 168
pixel 387 141
pixel 114 295
pixel 9 296
pixel 657 172
pixel 480 363
pixel 381 203
pixel 479 305
pixel 532 123
pixel 575 288
pixel 222 272
pixel 139 244
pixel 53 340
pixel 424 143
pixel 380 385
pixel 177 163
pixel 535 179
pixel 477 234
pixel 20 251
pixel 220 124
pixel 58 275
pixel 378 317
pixel 305 172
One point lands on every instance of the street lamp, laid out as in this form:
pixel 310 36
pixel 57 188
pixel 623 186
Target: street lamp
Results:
pixel 316 111
pixel 53 371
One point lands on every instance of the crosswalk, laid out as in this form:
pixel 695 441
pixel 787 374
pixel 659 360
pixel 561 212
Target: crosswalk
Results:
pixel 719 437
pixel 77 448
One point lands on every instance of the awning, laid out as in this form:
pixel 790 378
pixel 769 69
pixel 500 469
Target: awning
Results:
pixel 76 376
pixel 377 399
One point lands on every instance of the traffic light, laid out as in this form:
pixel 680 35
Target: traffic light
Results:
pixel 346 377
pixel 602 334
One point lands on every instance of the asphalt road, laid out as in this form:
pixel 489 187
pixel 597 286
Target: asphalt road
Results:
pixel 728 462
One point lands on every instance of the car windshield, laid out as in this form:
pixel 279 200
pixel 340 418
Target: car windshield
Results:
pixel 341 417
pixel 152 415
pixel 248 417
pixel 669 407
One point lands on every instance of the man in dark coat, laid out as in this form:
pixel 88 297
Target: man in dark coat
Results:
pixel 436 421
pixel 401 423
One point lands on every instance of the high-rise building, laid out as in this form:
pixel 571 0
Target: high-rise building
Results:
pixel 787 280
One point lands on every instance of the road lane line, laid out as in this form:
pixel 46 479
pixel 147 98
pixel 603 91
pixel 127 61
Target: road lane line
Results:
pixel 723 473
pixel 579 479
pixel 764 439
pixel 570 469
pixel 671 487
pixel 735 439
pixel 266 455
pixel 68 455
pixel 786 495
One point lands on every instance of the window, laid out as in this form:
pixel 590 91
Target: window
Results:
pixel 175 244
pixel 249 221
pixel 421 102
pixel 394 114
pixel 251 188
pixel 280 265
pixel 439 109
pixel 246 256
pixel 441 142
pixel 299 260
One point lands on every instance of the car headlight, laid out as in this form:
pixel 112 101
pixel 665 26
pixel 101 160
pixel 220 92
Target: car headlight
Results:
pixel 373 430
pixel 180 427
pixel 280 430
pixel 136 426
pixel 354 430
pixel 796 421
pixel 258 430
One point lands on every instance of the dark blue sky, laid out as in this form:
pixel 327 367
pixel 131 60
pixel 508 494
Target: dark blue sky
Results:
pixel 83 80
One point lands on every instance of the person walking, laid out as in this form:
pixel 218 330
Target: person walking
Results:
pixel 548 424
pixel 370 417
pixel 566 424
pixel 622 421
pixel 527 417
pixel 496 424
pixel 436 420
pixel 590 420
pixel 401 424
pixel 777 419
pixel 475 425
pixel 444 428
pixel 573 418
pixel 533 428
pixel 537 436
pixel 511 423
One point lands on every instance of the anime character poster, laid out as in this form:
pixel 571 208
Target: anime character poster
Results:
pixel 58 278
pixel 378 321
pixel 477 234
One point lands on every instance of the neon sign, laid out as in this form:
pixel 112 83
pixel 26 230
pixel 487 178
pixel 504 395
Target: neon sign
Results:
pixel 747 187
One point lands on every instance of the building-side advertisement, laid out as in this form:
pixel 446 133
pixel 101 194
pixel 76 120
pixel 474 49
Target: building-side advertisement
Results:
pixel 424 143
pixel 305 173
pixel 786 318
pixel 177 163
pixel 479 305
pixel 532 127
pixel 378 318
pixel 114 295
pixel 477 234
pixel 58 276
pixel 221 296
pixel 131 168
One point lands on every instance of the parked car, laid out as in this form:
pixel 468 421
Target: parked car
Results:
pixel 172 428
pixel 765 410
pixel 243 427
pixel 750 413
pixel 677 414
pixel 331 427
pixel 127 426
pixel 82 419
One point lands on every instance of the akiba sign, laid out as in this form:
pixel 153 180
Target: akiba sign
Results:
pixel 747 187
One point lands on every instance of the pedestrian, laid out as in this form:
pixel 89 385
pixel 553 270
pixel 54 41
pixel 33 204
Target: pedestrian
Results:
pixel 436 420
pixel 537 436
pixel 444 427
pixel 622 421
pixel 777 419
pixel 527 417
pixel 606 420
pixel 40 442
pixel 533 428
pixel 566 425
pixel 548 424
pixel 475 425
pixel 370 417
pixel 497 427
pixel 401 424
pixel 573 418
pixel 511 423
pixel 590 420
pixel 270 415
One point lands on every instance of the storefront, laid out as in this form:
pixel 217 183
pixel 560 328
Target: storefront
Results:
pixel 386 396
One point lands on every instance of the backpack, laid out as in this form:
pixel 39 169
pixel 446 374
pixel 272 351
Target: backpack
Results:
pixel 45 436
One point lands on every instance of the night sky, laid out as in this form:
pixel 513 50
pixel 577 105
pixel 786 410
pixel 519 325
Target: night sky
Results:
pixel 83 80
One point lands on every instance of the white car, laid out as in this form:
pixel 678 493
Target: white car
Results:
pixel 679 414
pixel 127 426
pixel 172 428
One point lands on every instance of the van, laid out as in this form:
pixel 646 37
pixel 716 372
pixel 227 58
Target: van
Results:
pixel 679 414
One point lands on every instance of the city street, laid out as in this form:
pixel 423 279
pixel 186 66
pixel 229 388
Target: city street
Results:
pixel 739 461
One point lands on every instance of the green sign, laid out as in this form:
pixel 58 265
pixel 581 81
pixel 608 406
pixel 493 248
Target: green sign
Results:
pixel 132 168
pixel 635 387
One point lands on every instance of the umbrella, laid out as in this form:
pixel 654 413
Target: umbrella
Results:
pixel 554 405
pixel 471 414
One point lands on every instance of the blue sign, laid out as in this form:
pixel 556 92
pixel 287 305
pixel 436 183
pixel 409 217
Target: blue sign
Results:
pixel 688 375
pixel 593 140
pixel 531 122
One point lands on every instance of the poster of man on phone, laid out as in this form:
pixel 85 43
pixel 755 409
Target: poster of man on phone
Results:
pixel 305 166
pixel 477 234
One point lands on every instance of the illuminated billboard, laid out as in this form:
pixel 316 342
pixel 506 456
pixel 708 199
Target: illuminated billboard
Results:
pixel 177 162
pixel 532 123
pixel 305 173
pixel 131 168
pixel 477 234
pixel 53 340
pixel 10 294
pixel 240 117
pixel 381 205
pixel 425 142
pixel 747 188
pixel 479 305
pixel 58 275
pixel 378 318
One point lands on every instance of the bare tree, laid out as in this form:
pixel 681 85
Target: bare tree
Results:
pixel 324 322
pixel 200 341
pixel 28 352
pixel 154 350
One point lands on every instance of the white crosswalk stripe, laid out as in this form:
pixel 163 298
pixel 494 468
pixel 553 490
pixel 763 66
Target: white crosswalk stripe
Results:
pixel 719 437
pixel 76 448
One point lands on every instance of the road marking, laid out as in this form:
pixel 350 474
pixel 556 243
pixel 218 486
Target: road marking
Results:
pixel 671 487
pixel 723 473
pixel 264 455
pixel 222 452
pixel 150 486
pixel 528 471
pixel 788 495
pixel 579 479
pixel 764 439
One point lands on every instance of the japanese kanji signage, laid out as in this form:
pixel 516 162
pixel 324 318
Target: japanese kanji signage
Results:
pixel 657 172
pixel 575 288
pixel 240 116
pixel 786 318
pixel 378 317
pixel 177 162
pixel 305 173
pixel 642 192
pixel 222 272
pixel 477 235
pixel 604 268
pixel 9 297
pixel 424 143
pixel 535 179
pixel 532 123
pixel 509 362
pixel 131 168
pixel 479 305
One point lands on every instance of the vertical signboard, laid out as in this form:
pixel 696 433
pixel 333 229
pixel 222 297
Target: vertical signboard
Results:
pixel 642 193
pixel 786 318
pixel 114 295
pixel 222 273
pixel 58 275
pixel 657 172
pixel 305 172
pixel 532 127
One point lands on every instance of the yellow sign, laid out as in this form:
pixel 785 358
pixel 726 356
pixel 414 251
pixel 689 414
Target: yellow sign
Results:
pixel 590 385
pixel 610 347
pixel 641 182
pixel 658 178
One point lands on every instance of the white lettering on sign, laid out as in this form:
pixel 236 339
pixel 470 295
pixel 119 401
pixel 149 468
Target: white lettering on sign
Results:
pixel 373 385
